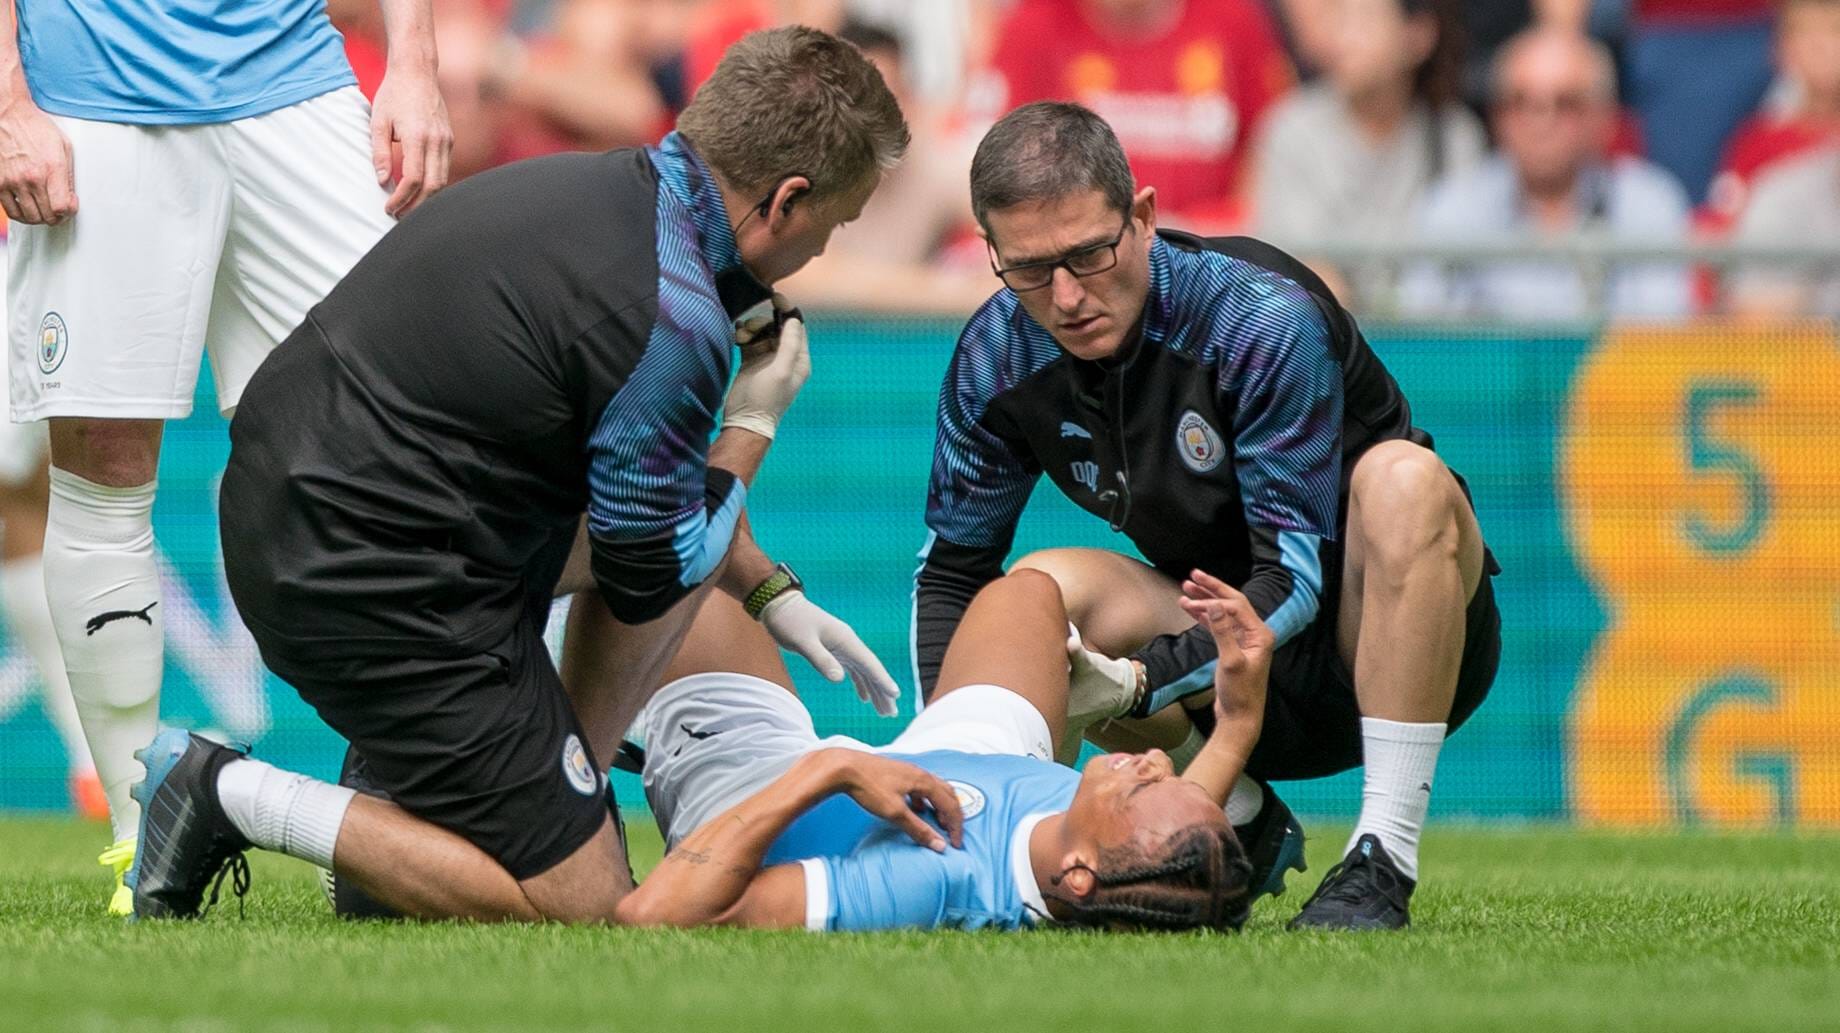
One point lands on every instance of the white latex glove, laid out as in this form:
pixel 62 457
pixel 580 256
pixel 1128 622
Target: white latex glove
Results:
pixel 770 376
pixel 1099 687
pixel 802 626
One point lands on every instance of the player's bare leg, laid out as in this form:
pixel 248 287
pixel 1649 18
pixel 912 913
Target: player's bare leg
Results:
pixel 1120 604
pixel 1014 635
pixel 1413 561
pixel 724 638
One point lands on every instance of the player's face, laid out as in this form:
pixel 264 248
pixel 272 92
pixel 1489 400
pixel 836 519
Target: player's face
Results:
pixel 783 244
pixel 1127 796
pixel 1090 315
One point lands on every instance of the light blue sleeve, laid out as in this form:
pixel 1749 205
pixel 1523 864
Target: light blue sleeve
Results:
pixel 884 884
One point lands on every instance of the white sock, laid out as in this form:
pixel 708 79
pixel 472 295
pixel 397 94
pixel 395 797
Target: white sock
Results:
pixel 1399 761
pixel 104 593
pixel 281 811
pixel 28 618
pixel 1245 802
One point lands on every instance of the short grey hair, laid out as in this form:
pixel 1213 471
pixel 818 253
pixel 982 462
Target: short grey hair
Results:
pixel 794 101
pixel 1046 150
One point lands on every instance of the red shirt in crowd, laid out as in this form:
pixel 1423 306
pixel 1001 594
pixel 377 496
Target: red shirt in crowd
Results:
pixel 1184 103
pixel 1760 144
pixel 1689 12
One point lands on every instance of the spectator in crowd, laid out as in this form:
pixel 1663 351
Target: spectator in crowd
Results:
pixel 1801 115
pixel 1186 84
pixel 894 256
pixel 1797 203
pixel 591 82
pixel 1351 154
pixel 722 23
pixel 1697 68
pixel 1555 107
pixel 587 84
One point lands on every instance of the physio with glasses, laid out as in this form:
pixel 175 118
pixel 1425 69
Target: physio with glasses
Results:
pixel 1211 402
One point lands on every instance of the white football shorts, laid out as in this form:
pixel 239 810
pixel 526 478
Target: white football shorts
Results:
pixel 713 740
pixel 187 237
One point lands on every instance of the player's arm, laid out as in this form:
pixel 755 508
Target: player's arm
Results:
pixel 1285 388
pixel 980 482
pixel 37 181
pixel 714 876
pixel 1241 674
pixel 408 109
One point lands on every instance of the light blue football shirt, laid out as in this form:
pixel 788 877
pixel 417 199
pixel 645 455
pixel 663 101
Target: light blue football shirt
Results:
pixel 174 62
pixel 862 873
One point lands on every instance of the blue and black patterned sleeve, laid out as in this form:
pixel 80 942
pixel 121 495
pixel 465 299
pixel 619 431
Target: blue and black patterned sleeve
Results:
pixel 660 520
pixel 980 484
pixel 1277 372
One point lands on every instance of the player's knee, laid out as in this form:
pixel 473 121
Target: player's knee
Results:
pixel 1064 568
pixel 114 453
pixel 1403 504
pixel 1031 589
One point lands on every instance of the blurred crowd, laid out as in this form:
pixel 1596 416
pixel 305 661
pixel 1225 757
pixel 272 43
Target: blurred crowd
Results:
pixel 1650 123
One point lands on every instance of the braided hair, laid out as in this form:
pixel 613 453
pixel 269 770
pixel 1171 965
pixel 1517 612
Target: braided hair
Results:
pixel 1201 881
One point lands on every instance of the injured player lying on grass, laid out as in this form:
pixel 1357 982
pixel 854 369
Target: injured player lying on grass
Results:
pixel 964 820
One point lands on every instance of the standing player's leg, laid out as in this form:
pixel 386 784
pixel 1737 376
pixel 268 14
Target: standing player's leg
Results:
pixel 1414 560
pixel 106 317
pixel 25 491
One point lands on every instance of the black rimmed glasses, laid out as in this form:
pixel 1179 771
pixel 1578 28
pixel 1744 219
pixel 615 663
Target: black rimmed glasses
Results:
pixel 1087 261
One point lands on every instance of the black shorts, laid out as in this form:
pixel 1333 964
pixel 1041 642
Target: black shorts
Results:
pixel 487 746
pixel 1312 719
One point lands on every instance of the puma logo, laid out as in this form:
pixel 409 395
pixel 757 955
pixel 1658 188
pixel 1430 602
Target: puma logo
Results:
pixel 692 733
pixel 103 620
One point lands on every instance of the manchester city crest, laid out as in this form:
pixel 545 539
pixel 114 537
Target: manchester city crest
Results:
pixel 970 798
pixel 1199 443
pixel 576 768
pixel 53 343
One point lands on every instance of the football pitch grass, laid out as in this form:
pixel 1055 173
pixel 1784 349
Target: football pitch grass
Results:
pixel 1517 929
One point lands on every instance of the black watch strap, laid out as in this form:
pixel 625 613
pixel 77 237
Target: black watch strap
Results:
pixel 782 581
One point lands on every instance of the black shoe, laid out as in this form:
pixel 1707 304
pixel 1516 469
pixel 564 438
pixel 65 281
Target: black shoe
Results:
pixel 346 898
pixel 1365 890
pixel 1273 841
pixel 186 840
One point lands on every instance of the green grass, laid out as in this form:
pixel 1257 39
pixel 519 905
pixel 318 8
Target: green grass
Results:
pixel 1536 929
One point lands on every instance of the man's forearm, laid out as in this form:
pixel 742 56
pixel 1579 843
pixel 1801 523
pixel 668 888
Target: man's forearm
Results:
pixel 12 73
pixel 740 452
pixel 705 876
pixel 408 33
pixel 1222 759
pixel 748 565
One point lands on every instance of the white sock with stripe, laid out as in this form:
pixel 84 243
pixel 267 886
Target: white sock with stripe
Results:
pixel 1399 761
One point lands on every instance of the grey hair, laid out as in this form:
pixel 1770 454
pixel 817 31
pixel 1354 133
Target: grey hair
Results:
pixel 1046 150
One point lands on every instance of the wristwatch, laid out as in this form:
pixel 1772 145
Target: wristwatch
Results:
pixel 782 581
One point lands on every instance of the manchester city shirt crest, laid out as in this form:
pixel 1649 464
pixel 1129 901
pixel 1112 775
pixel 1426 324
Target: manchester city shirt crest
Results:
pixel 1199 443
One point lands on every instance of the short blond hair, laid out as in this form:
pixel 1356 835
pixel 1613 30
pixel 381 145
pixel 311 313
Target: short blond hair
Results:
pixel 795 101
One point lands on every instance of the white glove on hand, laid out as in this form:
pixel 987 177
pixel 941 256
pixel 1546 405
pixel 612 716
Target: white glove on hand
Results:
pixel 770 376
pixel 829 645
pixel 1099 687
